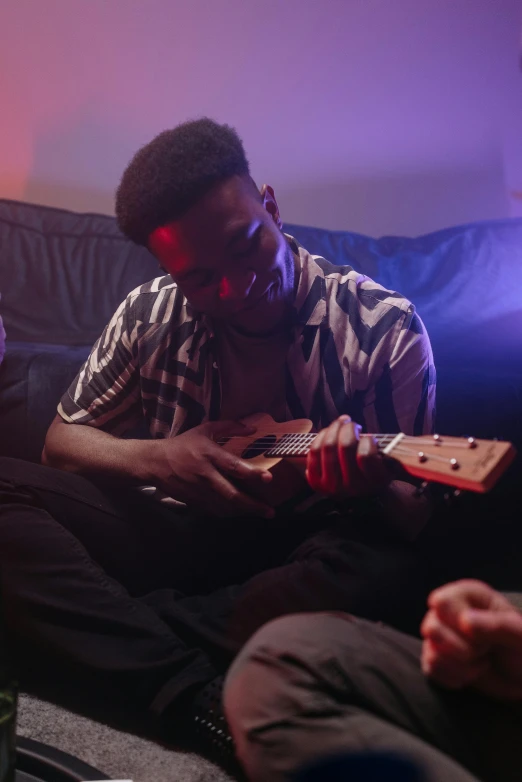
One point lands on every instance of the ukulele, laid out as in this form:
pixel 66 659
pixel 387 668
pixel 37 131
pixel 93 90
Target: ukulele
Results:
pixel 464 463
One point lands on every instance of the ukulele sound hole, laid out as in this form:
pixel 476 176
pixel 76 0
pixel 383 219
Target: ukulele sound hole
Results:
pixel 259 446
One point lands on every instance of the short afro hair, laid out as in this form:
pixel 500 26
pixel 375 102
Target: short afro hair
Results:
pixel 171 173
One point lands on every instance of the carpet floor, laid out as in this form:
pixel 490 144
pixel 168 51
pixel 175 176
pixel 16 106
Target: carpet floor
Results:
pixel 117 754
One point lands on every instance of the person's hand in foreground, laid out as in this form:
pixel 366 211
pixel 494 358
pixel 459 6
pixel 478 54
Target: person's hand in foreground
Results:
pixel 473 638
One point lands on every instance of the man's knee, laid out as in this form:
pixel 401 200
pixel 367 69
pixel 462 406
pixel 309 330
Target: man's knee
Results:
pixel 304 637
pixel 276 673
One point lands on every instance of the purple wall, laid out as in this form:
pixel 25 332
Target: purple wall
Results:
pixel 382 116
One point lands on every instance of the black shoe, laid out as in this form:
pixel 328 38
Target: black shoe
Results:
pixel 209 730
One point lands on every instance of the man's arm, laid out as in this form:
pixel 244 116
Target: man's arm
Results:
pixel 101 402
pixel 191 467
pixel 95 453
pixel 403 400
pixel 401 397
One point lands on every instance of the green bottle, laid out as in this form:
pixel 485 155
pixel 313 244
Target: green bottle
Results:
pixel 8 703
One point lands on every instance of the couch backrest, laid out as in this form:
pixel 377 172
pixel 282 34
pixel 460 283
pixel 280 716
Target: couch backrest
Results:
pixel 63 274
pixel 466 282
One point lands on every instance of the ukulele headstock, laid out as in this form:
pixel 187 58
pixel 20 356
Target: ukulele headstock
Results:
pixel 465 463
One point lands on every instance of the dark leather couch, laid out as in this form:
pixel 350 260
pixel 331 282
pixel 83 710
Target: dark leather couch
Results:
pixel 63 274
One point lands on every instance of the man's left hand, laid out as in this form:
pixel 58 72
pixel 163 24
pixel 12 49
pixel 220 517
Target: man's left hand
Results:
pixel 344 464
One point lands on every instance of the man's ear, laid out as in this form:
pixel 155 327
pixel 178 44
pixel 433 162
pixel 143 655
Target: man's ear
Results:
pixel 270 204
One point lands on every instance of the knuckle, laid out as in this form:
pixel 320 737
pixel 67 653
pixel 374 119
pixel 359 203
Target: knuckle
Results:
pixel 348 440
pixel 234 465
pixel 230 494
pixel 351 433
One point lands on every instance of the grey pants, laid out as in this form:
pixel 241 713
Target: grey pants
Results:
pixel 309 685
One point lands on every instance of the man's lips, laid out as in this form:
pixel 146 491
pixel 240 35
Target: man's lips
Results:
pixel 252 305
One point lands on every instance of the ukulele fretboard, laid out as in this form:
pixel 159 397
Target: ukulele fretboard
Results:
pixel 299 444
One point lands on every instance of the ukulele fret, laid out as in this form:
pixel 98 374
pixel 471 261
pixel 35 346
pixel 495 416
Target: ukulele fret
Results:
pixel 291 445
pixel 299 444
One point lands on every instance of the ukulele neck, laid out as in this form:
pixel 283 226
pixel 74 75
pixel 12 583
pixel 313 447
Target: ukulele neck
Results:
pixel 292 445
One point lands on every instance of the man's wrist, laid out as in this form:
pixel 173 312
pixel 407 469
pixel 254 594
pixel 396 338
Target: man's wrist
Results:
pixel 139 459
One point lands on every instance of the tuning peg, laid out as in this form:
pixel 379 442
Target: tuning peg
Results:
pixel 451 496
pixel 421 490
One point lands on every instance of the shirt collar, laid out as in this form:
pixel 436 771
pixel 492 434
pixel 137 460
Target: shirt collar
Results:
pixel 310 299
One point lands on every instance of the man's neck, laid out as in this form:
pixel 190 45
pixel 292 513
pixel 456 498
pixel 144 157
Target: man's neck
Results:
pixel 280 330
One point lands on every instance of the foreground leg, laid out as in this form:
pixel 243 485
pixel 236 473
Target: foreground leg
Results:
pixel 311 685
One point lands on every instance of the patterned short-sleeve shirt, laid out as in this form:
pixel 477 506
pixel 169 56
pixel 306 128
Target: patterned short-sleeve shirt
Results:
pixel 356 348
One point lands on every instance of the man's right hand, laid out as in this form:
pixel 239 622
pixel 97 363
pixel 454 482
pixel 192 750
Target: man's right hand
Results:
pixel 473 638
pixel 194 469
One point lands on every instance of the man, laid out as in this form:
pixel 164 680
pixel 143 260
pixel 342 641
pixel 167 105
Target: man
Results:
pixel 139 596
pixel 316 685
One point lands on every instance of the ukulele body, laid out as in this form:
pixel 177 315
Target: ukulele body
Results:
pixel 288 473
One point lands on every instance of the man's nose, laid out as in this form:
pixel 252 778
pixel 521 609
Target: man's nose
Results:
pixel 237 285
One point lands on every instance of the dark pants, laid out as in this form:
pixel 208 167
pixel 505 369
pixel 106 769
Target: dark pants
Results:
pixel 309 686
pixel 140 603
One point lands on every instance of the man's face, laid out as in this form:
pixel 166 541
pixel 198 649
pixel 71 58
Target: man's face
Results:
pixel 230 258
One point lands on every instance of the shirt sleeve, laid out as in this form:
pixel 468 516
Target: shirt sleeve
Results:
pixel 106 391
pixel 402 399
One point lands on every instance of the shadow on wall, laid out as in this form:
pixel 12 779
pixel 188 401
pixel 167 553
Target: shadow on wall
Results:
pixel 408 203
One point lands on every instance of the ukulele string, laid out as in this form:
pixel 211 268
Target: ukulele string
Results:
pixel 381 438
pixel 302 446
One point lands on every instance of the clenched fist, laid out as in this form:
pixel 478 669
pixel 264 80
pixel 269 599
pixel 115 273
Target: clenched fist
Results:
pixel 473 638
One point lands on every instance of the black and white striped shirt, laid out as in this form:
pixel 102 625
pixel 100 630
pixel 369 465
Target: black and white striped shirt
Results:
pixel 356 348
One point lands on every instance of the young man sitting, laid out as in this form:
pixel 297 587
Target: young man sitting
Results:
pixel 149 602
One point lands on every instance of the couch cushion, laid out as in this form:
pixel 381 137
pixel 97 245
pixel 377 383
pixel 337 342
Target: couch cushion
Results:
pixel 63 274
pixel 32 380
